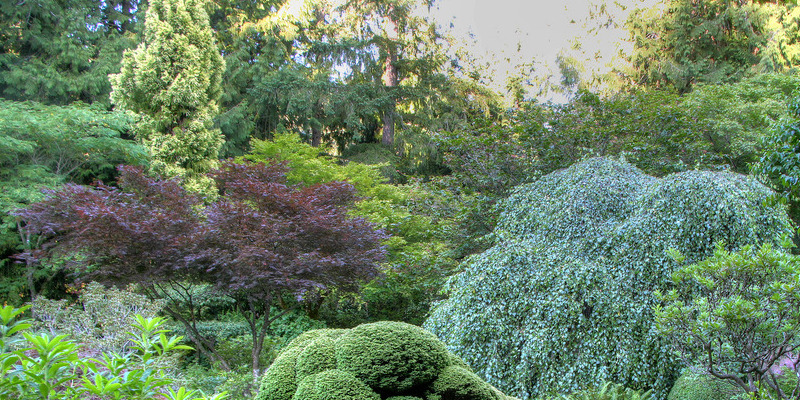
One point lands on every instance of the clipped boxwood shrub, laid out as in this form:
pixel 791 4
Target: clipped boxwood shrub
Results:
pixel 456 383
pixel 563 301
pixel 695 386
pixel 280 379
pixel 391 356
pixel 318 356
pixel 390 360
pixel 334 384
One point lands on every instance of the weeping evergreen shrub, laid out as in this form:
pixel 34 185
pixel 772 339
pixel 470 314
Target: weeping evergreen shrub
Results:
pixel 563 301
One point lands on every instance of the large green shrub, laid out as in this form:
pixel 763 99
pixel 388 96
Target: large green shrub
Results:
pixel 456 383
pixel 694 386
pixel 563 301
pixel 378 360
pixel 391 356
pixel 334 384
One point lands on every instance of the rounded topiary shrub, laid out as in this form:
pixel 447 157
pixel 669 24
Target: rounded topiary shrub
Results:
pixel 563 301
pixel 389 360
pixel 695 386
pixel 456 383
pixel 280 380
pixel 319 355
pixel 391 356
pixel 302 340
pixel 333 384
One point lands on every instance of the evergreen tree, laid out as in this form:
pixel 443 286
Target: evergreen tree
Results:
pixel 684 42
pixel 60 51
pixel 399 52
pixel 173 80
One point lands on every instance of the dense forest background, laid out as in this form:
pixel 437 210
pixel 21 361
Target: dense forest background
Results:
pixel 368 92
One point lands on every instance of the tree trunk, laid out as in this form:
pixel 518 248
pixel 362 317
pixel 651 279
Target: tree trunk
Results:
pixel 202 344
pixel 259 311
pixel 390 80
pixel 316 134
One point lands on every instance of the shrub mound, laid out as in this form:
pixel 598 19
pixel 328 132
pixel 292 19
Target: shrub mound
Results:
pixel 563 300
pixel 372 361
pixel 695 386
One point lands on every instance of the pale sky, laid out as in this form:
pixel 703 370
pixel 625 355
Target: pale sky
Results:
pixel 507 33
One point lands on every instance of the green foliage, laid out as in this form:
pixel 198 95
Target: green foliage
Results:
pixel 456 383
pixel 45 367
pixel 99 320
pixel 333 384
pixel 391 356
pixel 695 386
pixel 44 146
pixel 609 391
pixel 783 51
pixel 318 356
pixel 683 42
pixel 280 380
pixel 397 360
pixel 563 300
pixel 779 166
pixel 61 51
pixel 733 119
pixel 418 261
pixel 173 80
pixel 735 313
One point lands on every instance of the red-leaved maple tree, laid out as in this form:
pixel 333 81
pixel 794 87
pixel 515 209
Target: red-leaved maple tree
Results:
pixel 260 240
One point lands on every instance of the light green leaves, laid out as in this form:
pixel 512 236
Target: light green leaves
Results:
pixel 173 80
pixel 735 312
pixel 43 367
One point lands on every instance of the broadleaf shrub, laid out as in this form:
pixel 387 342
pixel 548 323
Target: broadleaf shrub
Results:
pixel 378 360
pixel 563 300
pixel 40 366
pixel 100 319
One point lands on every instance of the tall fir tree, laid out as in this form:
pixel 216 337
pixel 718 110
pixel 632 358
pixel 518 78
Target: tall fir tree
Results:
pixel 684 42
pixel 173 81
pixel 60 51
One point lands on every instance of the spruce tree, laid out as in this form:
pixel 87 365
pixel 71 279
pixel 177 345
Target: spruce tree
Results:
pixel 173 80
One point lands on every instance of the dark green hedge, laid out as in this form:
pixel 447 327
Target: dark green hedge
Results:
pixel 390 360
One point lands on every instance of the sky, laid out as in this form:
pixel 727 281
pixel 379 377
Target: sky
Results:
pixel 509 33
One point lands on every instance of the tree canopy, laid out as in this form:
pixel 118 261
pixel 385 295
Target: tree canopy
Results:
pixel 260 240
pixel 173 81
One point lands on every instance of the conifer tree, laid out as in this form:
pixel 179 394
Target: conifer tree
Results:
pixel 684 42
pixel 61 51
pixel 173 80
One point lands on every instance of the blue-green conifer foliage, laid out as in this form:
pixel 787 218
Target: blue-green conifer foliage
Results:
pixel 563 300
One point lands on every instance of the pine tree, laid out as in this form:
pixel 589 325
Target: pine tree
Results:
pixel 173 80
